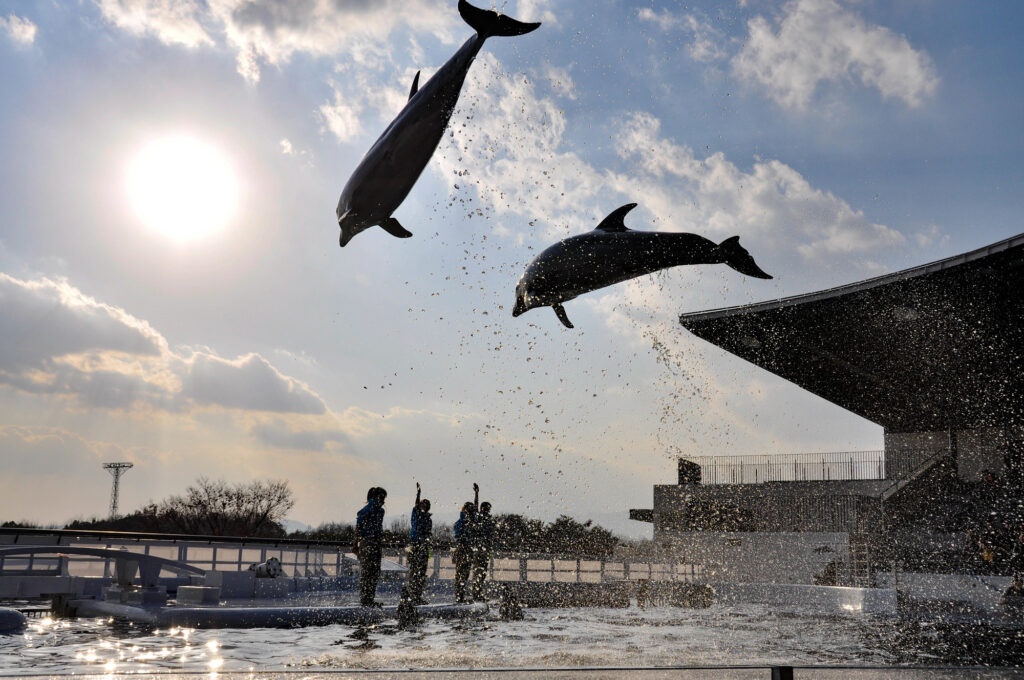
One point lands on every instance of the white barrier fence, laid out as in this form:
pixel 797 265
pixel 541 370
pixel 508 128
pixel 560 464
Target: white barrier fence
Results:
pixel 302 560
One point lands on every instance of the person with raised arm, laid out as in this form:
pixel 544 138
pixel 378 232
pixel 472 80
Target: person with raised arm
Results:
pixel 483 537
pixel 462 555
pixel 421 529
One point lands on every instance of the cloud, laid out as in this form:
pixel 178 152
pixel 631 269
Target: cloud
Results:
pixel 56 340
pixel 708 42
pixel 272 31
pixel 21 31
pixel 54 451
pixel 341 118
pixel 174 22
pixel 773 202
pixel 248 383
pixel 930 236
pixel 665 20
pixel 560 81
pixel 529 10
pixel 820 41
pixel 47 319
pixel 278 433
pixel 358 87
pixel 527 169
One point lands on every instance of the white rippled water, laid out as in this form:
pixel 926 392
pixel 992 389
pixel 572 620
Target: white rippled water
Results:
pixel 719 635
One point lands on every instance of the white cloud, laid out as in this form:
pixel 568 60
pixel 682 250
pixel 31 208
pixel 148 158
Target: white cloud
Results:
pixel 526 169
pixel 341 118
pixel 773 202
pixel 560 82
pixel 931 236
pixel 174 22
pixel 21 30
pixel 665 20
pixel 272 31
pixel 820 41
pixel 708 42
pixel 56 340
pixel 530 10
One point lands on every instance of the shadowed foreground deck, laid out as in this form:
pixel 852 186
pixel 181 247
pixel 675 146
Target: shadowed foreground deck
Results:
pixel 610 673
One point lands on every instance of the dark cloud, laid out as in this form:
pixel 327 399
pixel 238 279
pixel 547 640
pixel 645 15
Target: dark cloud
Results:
pixel 249 383
pixel 55 340
pixel 45 319
pixel 278 435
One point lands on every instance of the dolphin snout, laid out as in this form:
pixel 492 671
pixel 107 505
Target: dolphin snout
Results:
pixel 519 308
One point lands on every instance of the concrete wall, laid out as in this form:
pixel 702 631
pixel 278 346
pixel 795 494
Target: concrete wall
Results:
pixel 976 450
pixel 979 450
pixel 747 557
pixel 932 441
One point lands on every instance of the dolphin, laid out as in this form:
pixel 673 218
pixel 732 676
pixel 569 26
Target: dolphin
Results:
pixel 391 167
pixel 612 253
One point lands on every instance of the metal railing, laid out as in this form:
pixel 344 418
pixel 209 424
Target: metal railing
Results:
pixel 298 558
pixel 806 467
pixel 315 558
pixel 548 568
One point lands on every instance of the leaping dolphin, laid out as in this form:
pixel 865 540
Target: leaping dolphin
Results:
pixel 612 253
pixel 391 167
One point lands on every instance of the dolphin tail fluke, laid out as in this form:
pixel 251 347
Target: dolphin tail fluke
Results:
pixel 737 257
pixel 562 316
pixel 395 228
pixel 487 22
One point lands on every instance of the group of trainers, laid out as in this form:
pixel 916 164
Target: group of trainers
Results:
pixel 474 533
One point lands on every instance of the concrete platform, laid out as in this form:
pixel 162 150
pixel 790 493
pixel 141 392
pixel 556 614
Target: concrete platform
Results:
pixel 611 673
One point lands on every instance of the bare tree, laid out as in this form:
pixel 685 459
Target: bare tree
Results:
pixel 217 508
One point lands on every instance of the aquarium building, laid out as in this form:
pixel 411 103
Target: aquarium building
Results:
pixel 934 354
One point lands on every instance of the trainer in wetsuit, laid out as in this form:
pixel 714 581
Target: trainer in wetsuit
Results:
pixel 463 553
pixel 421 530
pixel 483 537
pixel 369 534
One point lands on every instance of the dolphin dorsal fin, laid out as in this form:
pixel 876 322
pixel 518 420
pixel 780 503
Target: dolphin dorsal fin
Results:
pixel 614 221
pixel 415 85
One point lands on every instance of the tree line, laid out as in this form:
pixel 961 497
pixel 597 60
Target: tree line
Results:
pixel 513 533
pixel 258 508
pixel 210 508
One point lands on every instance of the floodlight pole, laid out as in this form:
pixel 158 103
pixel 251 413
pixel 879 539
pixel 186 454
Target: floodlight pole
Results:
pixel 116 470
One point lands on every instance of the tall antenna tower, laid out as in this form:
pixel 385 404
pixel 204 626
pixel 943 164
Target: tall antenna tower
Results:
pixel 115 470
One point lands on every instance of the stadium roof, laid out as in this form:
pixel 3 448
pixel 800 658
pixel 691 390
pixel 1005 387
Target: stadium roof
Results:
pixel 929 348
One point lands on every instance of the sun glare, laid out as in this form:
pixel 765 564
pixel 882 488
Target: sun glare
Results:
pixel 182 188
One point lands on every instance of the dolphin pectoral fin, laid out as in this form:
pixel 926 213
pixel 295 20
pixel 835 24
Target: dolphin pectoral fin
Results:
pixel 488 22
pixel 562 316
pixel 415 85
pixel 614 221
pixel 395 228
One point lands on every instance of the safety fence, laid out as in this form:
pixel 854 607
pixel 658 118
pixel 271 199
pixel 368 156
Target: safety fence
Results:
pixel 545 568
pixel 806 467
pixel 298 558
pixel 313 559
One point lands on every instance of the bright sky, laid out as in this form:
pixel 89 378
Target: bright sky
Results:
pixel 172 292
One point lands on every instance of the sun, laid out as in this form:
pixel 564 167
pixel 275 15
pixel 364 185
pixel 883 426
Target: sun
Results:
pixel 183 188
